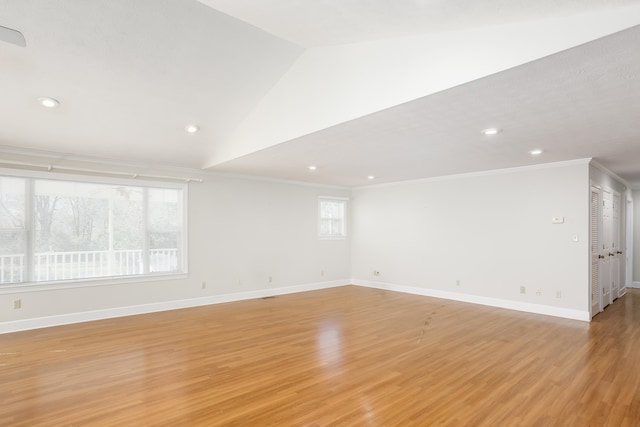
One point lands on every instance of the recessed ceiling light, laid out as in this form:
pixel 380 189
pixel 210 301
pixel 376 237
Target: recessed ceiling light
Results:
pixel 48 102
pixel 491 131
pixel 312 168
pixel 192 128
pixel 535 152
pixel 371 177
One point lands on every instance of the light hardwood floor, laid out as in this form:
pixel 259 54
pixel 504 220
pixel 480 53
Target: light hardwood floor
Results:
pixel 336 357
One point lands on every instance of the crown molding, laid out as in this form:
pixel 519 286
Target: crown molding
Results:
pixel 63 162
pixel 612 174
pixel 584 161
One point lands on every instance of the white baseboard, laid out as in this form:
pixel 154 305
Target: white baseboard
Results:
pixel 635 285
pixel 65 319
pixel 475 299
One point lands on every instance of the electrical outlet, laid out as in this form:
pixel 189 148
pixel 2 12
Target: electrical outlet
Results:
pixel 270 279
pixel 558 294
pixel 17 303
pixel 322 273
pixel 204 285
pixel 523 289
pixel 376 273
pixel 458 282
pixel 539 291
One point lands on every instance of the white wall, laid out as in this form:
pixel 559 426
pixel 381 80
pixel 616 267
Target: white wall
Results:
pixel 493 232
pixel 241 231
pixel 490 231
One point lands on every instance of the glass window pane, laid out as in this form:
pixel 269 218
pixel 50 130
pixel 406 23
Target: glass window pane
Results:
pixel 128 230
pixel 332 218
pixel 12 257
pixel 71 230
pixel 165 229
pixel 12 230
pixel 85 230
pixel 12 194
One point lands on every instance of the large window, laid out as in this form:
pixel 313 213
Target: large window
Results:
pixel 66 230
pixel 332 223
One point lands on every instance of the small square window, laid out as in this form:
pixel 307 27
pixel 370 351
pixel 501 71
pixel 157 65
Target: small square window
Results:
pixel 332 218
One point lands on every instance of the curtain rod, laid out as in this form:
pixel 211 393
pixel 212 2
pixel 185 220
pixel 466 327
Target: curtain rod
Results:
pixel 51 168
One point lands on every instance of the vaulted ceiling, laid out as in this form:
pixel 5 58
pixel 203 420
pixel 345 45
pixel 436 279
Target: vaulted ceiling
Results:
pixel 398 90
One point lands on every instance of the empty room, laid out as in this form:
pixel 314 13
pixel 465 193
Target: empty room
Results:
pixel 319 213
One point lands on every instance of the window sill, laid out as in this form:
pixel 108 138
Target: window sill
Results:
pixel 13 288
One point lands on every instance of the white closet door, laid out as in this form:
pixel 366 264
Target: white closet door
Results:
pixel 596 302
pixel 615 247
pixel 606 252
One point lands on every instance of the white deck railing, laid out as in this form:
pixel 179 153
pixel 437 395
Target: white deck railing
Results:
pixel 85 264
pixel 11 268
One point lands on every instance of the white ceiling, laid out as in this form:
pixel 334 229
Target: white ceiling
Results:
pixel 583 102
pixel 313 23
pixel 131 74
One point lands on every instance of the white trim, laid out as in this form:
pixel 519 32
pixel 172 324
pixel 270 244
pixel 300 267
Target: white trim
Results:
pixel 628 219
pixel 65 319
pixel 635 285
pixel 346 199
pixel 584 161
pixel 97 165
pixel 94 179
pixel 184 259
pixel 55 159
pixel 91 172
pixel 593 186
pixel 475 299
pixel 87 316
pixel 609 172
pixel 276 180
pixel 62 157
pixel 26 287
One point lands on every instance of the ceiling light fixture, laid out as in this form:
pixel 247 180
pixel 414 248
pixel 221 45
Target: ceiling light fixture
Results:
pixel 371 177
pixel 48 102
pixel 312 168
pixel 192 128
pixel 491 131
pixel 535 152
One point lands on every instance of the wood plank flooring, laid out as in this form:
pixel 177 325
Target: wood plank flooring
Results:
pixel 346 356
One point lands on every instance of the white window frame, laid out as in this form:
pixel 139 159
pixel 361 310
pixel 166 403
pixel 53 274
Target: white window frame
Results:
pixel 344 201
pixel 27 286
